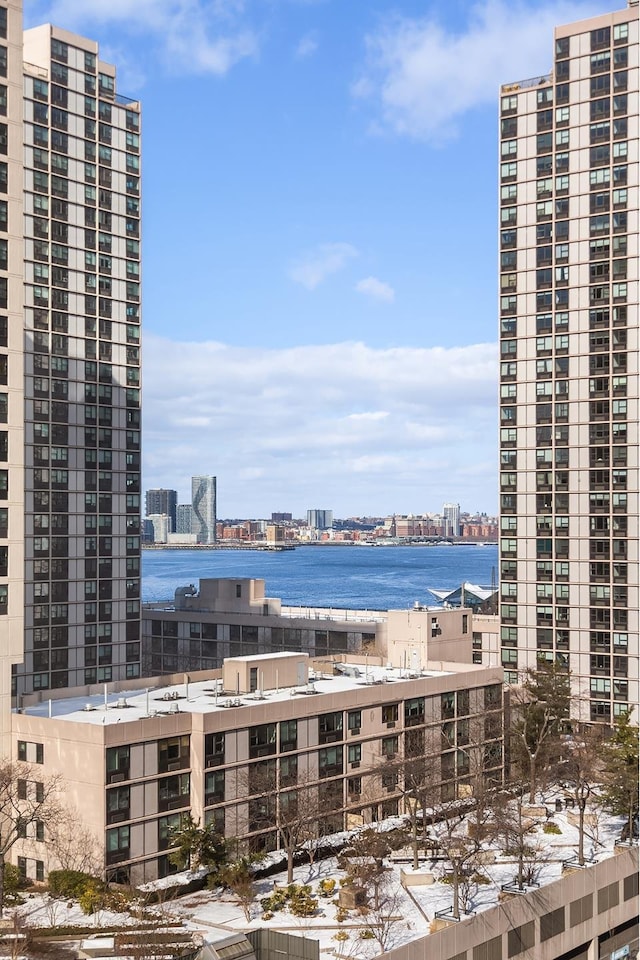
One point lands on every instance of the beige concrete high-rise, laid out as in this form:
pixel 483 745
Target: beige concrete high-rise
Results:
pixel 11 358
pixel 82 366
pixel 569 373
pixel 69 365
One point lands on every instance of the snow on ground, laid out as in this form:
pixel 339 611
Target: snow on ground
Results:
pixel 414 910
pixel 220 910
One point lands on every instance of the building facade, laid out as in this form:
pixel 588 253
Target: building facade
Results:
pixel 184 518
pixel 81 365
pixel 159 501
pixel 12 340
pixel 451 519
pixel 569 385
pixel 224 745
pixel 225 617
pixel 203 509
pixel 320 519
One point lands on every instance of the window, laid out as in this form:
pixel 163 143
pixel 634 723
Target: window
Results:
pixel 355 753
pixel 117 844
pixel 288 735
pixel 330 761
pixel 390 714
pixel 389 747
pixel 213 749
pixel 354 721
pixel 117 764
pixel 262 740
pixel 173 754
pixel 330 727
pixel 414 711
pixel 214 787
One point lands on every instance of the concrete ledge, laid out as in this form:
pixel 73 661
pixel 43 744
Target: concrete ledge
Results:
pixel 416 878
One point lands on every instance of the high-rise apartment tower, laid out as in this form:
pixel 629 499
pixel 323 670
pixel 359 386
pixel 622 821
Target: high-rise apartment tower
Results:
pixel 160 501
pixel 569 377
pixel 78 338
pixel 203 509
pixel 451 519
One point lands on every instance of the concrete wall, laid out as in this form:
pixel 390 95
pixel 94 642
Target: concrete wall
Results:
pixel 590 903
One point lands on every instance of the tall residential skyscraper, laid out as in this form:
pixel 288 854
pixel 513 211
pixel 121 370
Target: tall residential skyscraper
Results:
pixel 81 328
pixel 451 519
pixel 569 377
pixel 203 505
pixel 160 501
pixel 320 519
pixel 184 514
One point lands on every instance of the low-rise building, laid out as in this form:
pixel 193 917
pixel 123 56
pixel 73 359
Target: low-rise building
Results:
pixel 136 760
pixel 228 617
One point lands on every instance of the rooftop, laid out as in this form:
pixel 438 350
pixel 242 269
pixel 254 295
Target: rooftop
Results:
pixel 206 695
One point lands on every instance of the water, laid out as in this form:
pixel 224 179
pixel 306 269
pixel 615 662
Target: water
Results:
pixel 364 578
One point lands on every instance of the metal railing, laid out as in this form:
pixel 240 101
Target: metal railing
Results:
pixel 525 84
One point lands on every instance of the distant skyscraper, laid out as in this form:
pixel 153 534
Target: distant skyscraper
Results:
pixel 160 524
pixel 569 396
pixel 203 503
pixel 281 517
pixel 451 519
pixel 160 501
pixel 320 519
pixel 184 514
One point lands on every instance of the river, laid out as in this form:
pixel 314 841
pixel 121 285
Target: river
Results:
pixel 364 578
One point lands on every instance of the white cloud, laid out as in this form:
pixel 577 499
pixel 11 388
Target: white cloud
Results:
pixel 364 430
pixel 192 36
pixel 307 46
pixel 371 415
pixel 376 289
pixel 313 267
pixel 424 77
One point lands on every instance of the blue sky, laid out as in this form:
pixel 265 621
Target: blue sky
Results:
pixel 319 239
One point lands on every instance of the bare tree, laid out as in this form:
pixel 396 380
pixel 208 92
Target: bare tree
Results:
pixel 381 918
pixel 72 845
pixel 517 826
pixel 540 711
pixel 28 806
pixel 581 773
pixel 288 799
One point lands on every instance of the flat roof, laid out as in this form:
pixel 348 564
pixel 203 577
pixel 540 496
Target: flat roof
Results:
pixel 207 695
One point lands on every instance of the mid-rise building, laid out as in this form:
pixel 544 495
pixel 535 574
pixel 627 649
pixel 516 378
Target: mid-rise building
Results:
pixel 569 376
pixel 159 501
pixel 135 761
pixel 203 509
pixel 231 617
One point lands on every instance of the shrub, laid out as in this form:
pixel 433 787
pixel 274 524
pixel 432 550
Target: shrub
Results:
pixel 92 897
pixel 327 887
pixel 267 915
pixel 341 936
pixel 366 934
pixel 551 827
pixel 342 914
pixel 68 884
pixel 13 882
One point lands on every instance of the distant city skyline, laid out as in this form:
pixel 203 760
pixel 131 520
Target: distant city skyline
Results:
pixel 324 330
